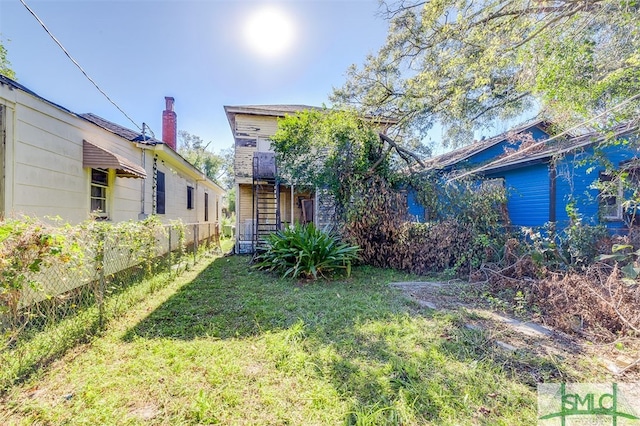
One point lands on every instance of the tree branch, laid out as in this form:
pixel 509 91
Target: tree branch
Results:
pixel 402 151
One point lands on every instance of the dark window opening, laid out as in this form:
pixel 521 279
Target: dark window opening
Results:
pixel 160 193
pixel 206 207
pixel 190 197
pixel 610 197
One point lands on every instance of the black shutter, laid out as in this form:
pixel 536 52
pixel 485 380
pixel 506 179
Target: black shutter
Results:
pixel 160 193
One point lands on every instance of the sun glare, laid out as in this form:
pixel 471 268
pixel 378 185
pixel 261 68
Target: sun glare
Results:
pixel 269 32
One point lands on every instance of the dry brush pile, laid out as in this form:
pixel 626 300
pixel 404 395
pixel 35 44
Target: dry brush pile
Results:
pixel 599 301
pixel 377 222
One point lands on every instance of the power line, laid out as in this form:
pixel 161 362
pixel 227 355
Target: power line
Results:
pixel 559 135
pixel 79 67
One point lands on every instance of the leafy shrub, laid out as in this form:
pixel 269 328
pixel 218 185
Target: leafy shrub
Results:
pixel 583 243
pixel 27 246
pixel 305 251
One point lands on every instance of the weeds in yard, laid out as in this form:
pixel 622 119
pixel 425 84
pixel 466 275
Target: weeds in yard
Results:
pixel 232 345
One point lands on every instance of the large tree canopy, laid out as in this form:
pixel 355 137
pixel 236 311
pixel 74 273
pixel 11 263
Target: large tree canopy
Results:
pixel 467 63
pixel 217 167
pixel 337 151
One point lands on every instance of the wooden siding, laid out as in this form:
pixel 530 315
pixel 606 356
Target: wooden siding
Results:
pixel 250 128
pixel 576 175
pixel 415 210
pixel 244 211
pixel 243 164
pixel 255 126
pixel 45 175
pixel 527 194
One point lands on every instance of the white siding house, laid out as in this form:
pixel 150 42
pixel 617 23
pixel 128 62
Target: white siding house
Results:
pixel 54 162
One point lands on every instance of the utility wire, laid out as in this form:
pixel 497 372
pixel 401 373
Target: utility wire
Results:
pixel 78 65
pixel 536 144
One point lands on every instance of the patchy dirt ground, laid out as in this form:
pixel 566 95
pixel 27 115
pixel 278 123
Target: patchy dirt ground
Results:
pixel 619 360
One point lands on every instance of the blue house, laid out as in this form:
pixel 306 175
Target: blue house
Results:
pixel 551 179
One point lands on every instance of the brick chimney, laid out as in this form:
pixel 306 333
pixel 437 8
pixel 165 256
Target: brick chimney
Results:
pixel 169 124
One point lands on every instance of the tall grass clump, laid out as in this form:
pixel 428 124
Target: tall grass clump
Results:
pixel 306 251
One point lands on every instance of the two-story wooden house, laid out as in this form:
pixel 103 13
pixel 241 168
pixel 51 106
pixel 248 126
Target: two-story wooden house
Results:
pixel 264 202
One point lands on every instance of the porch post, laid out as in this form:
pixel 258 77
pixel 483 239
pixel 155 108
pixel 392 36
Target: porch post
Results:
pixel 291 203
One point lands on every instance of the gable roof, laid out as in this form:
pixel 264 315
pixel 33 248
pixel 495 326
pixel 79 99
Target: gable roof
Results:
pixel 106 157
pixel 461 154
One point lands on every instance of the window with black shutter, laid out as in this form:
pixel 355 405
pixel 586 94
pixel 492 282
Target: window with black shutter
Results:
pixel 189 197
pixel 160 193
pixel 206 207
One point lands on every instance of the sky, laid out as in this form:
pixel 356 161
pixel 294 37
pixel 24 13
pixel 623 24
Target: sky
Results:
pixel 205 54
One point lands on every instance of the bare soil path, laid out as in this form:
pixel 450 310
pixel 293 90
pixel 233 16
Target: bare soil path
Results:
pixel 618 360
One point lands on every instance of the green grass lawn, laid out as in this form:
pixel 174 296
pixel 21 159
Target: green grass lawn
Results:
pixel 226 344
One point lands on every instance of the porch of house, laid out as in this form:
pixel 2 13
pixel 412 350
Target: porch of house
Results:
pixel 265 207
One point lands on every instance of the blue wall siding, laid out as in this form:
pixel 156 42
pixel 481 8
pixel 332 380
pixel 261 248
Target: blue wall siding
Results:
pixel 527 194
pixel 416 210
pixel 528 187
pixel 576 175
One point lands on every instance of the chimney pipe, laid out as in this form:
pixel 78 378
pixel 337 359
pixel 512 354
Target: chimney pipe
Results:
pixel 169 124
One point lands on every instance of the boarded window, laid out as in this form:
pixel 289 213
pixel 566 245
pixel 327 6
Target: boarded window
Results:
pixel 307 210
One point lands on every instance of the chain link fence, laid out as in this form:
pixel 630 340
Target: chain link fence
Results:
pixel 61 284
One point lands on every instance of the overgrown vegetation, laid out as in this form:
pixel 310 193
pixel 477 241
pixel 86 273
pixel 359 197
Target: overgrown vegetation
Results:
pixel 61 284
pixel 594 295
pixel 26 247
pixel 367 175
pixel 307 252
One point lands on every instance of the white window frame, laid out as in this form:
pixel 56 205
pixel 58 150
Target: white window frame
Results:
pixel 105 196
pixel 611 212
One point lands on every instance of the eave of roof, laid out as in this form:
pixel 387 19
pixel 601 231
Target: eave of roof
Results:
pixel 271 110
pixel 281 111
